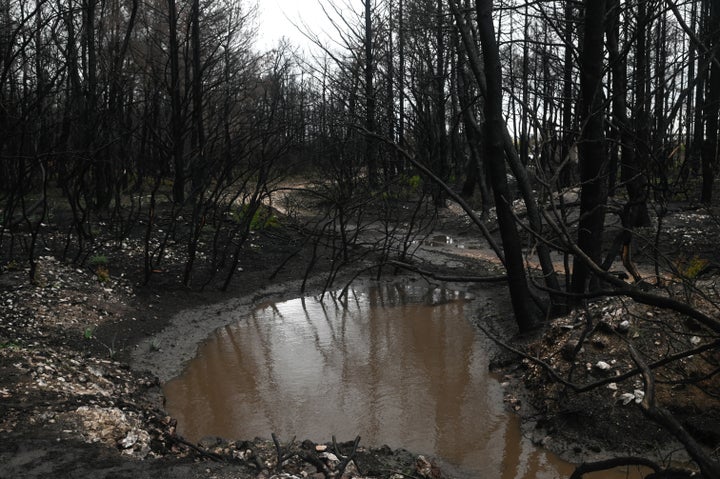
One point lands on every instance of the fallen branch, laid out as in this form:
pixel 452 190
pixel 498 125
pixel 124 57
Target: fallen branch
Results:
pixel 451 279
pixel 709 468
pixel 283 453
pixel 450 192
pixel 203 453
pixel 612 379
pixel 345 459
pixel 623 289
pixel 588 467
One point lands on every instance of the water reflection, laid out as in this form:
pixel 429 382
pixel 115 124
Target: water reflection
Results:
pixel 396 364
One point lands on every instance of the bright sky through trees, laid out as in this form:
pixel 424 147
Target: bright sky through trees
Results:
pixel 281 18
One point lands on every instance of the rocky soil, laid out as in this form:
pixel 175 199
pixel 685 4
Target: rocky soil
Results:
pixel 72 406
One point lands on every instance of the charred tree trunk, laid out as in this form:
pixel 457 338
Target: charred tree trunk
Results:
pixel 495 151
pixel 566 173
pixel 635 212
pixel 711 109
pixel 475 175
pixel 481 77
pixel 438 123
pixel 176 122
pixel 370 143
pixel 593 160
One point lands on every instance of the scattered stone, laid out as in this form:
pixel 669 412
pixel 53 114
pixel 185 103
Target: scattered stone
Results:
pixel 329 456
pixel 623 327
pixel 209 442
pixel 603 366
pixel 129 440
pixel 423 467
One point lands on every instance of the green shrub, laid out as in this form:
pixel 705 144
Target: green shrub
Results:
pixel 414 182
pixel 693 267
pixel 100 264
pixel 88 333
pixel 263 218
pixel 99 260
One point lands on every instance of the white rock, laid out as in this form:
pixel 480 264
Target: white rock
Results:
pixel 330 456
pixel 603 365
pixel 129 440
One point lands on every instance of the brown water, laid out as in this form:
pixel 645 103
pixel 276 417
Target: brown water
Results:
pixel 395 364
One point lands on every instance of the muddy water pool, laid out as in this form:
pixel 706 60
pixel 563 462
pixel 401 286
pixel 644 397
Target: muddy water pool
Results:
pixel 397 364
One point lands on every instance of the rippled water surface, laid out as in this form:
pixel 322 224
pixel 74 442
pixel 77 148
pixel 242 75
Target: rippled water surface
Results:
pixel 396 364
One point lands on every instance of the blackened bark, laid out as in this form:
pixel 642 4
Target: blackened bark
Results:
pixel 473 56
pixel 197 111
pixel 370 147
pixel 475 175
pixel 390 168
pixel 593 156
pixel 711 109
pixel 699 125
pixel 635 212
pixel 495 150
pixel 566 174
pixel 176 122
pixel 440 158
pixel 401 74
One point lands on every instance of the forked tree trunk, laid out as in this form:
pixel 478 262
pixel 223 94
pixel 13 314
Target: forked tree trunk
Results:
pixel 481 77
pixel 495 151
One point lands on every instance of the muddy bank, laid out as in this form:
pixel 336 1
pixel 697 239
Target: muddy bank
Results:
pixel 70 406
pixel 165 353
pixel 66 342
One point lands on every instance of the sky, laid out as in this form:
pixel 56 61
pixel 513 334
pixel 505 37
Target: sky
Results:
pixel 277 17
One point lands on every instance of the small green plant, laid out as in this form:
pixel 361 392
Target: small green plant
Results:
pixel 88 333
pixel 691 268
pixel 13 266
pixel 414 182
pixel 263 217
pixel 155 345
pixel 99 260
pixel 9 345
pixel 100 263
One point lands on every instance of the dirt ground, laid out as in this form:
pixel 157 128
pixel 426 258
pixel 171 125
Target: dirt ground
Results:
pixel 76 397
pixel 77 400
